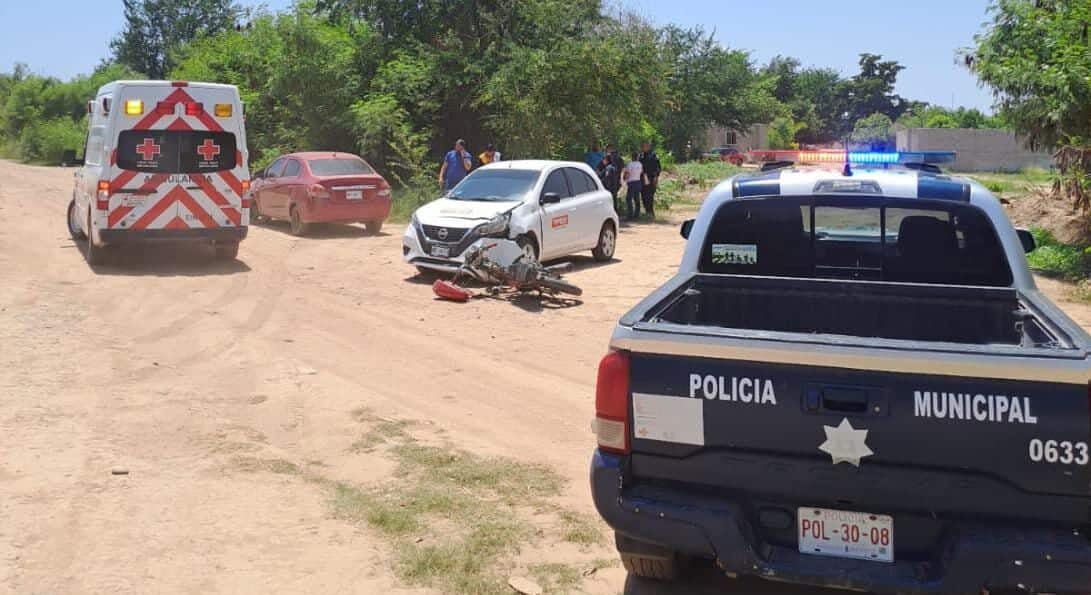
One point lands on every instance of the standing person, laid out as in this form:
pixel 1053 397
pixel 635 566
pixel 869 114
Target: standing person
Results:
pixel 456 164
pixel 634 177
pixel 489 155
pixel 593 157
pixel 652 169
pixel 610 174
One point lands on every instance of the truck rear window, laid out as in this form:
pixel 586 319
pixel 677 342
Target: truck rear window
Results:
pixel 176 151
pixel 866 239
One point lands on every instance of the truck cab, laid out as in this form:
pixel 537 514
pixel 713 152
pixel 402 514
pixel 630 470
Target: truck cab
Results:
pixel 853 382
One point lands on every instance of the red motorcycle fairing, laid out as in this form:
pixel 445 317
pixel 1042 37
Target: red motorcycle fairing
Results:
pixel 449 291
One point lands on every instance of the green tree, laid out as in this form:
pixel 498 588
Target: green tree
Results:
pixel 871 91
pixel 298 75
pixel 156 29
pixel 811 95
pixel 1036 58
pixel 876 131
pixel 782 133
pixel 707 82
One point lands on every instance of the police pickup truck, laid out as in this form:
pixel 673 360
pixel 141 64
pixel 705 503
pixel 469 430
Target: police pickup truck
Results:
pixel 853 382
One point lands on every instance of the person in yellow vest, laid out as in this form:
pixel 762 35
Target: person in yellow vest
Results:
pixel 489 155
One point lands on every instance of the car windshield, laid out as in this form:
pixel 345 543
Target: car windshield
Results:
pixel 339 167
pixel 495 185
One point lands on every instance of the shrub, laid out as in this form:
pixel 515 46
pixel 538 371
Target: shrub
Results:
pixel 45 142
pixel 1053 258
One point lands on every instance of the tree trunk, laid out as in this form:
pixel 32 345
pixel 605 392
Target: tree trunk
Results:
pixel 1074 175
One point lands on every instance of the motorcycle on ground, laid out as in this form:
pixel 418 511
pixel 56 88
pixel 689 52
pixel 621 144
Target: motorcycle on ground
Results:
pixel 502 264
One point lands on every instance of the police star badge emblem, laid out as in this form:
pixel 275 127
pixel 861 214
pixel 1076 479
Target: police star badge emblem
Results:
pixel 845 444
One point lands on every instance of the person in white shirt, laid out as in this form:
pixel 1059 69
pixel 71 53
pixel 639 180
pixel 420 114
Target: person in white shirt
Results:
pixel 634 178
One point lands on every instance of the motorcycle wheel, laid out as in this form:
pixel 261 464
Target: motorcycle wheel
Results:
pixel 560 286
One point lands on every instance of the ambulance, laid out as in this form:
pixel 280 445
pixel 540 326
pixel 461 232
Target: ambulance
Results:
pixel 163 161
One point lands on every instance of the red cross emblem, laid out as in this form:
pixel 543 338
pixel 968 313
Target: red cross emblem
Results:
pixel 148 149
pixel 208 150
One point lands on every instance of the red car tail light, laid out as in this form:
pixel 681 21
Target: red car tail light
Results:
pixel 318 191
pixel 384 189
pixel 612 403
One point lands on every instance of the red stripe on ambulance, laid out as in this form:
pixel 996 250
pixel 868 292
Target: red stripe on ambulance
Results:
pixel 197 210
pixel 232 214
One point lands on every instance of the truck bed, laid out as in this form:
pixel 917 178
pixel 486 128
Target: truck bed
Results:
pixel 950 314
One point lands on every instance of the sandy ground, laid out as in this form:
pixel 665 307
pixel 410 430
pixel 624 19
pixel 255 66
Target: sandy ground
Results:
pixel 167 367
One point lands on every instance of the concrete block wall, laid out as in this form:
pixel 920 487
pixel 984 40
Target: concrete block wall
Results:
pixel 976 150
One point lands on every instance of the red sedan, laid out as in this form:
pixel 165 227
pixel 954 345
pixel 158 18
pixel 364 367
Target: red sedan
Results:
pixel 320 187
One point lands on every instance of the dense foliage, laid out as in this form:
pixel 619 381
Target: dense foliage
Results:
pixel 1036 57
pixel 398 81
pixel 156 29
pixel 40 117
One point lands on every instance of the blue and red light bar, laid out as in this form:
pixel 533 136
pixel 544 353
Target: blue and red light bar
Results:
pixel 835 156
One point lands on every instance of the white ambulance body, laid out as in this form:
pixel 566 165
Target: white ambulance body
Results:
pixel 164 161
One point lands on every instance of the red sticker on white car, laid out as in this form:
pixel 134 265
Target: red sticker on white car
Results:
pixel 561 221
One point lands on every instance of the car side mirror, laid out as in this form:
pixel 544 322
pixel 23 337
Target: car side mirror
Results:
pixel 687 227
pixel 550 198
pixel 1027 240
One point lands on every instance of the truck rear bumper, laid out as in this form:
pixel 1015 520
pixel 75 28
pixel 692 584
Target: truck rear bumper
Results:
pixel 139 236
pixel 972 557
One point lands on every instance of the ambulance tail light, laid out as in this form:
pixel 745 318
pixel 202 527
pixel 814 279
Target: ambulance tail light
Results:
pixel 223 110
pixel 318 191
pixel 134 107
pixel 611 423
pixel 194 108
pixel 102 199
pixel 245 186
pixel 164 108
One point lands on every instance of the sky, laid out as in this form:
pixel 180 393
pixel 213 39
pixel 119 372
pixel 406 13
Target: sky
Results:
pixel 63 38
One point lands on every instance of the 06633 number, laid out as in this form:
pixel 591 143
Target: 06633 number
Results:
pixel 1058 451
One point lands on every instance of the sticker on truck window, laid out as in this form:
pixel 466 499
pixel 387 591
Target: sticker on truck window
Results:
pixel 734 254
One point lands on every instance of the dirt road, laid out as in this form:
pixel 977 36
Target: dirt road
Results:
pixel 132 397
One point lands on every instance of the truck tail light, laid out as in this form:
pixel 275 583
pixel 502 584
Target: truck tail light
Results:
pixel 102 199
pixel 612 403
pixel 318 191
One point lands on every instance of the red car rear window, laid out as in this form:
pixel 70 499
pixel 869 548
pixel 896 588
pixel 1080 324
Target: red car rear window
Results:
pixel 339 167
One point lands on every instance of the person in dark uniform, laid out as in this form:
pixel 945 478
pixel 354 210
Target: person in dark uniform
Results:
pixel 652 169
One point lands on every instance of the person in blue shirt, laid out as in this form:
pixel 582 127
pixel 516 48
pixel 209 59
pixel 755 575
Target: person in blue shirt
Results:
pixel 456 164
pixel 593 157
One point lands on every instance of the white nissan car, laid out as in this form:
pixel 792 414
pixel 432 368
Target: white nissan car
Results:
pixel 551 208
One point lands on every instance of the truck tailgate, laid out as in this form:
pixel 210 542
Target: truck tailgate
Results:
pixel 858 440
